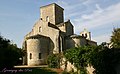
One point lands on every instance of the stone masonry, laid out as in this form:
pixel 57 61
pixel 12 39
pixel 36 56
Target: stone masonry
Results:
pixel 51 35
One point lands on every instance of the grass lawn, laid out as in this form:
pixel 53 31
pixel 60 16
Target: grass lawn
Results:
pixel 29 71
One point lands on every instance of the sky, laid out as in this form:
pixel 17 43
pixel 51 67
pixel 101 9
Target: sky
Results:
pixel 17 17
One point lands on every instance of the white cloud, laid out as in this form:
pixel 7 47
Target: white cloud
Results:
pixel 62 3
pixel 87 2
pixel 99 9
pixel 71 9
pixel 99 17
pixel 102 38
pixel 95 13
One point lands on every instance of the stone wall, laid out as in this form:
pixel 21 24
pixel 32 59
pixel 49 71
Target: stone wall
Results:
pixel 75 41
pixel 93 43
pixel 48 11
pixel 38 48
pixel 66 27
pixel 59 15
pixel 69 28
pixel 67 66
pixel 53 12
pixel 48 32
pixel 86 34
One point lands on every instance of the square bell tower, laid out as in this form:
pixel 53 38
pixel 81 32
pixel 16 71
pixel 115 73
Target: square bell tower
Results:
pixel 52 13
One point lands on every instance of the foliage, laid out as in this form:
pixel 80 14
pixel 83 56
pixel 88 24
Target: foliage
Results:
pixel 79 57
pixel 100 57
pixel 9 53
pixel 53 61
pixel 115 38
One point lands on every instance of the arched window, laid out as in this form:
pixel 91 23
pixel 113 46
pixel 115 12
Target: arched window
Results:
pixel 39 55
pixel 30 55
pixel 82 35
pixel 47 19
pixel 40 29
pixel 40 18
pixel 86 35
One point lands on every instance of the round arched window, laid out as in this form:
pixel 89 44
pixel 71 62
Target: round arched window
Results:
pixel 47 18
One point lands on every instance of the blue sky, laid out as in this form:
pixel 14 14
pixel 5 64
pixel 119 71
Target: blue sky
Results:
pixel 17 17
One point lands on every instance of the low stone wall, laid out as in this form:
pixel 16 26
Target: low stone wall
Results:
pixel 67 66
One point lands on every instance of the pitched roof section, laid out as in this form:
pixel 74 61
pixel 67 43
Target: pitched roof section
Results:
pixel 61 24
pixel 53 26
pixel 36 36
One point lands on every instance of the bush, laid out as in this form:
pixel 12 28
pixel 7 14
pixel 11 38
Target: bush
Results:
pixel 53 61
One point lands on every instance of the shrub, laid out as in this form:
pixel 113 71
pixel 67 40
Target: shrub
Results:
pixel 53 61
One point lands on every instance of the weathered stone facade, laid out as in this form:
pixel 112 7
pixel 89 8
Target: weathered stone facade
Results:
pixel 51 35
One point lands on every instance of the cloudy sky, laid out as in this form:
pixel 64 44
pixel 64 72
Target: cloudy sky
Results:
pixel 17 17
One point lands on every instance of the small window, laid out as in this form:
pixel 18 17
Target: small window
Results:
pixel 82 35
pixel 86 35
pixel 30 55
pixel 47 19
pixel 40 29
pixel 40 18
pixel 39 55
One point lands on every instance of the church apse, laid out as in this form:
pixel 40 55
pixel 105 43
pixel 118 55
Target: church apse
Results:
pixel 38 48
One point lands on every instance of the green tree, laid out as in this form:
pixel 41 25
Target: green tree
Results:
pixel 9 53
pixel 115 38
pixel 101 58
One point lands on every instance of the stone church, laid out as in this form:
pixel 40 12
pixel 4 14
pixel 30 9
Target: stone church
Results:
pixel 51 35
